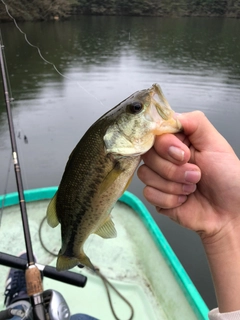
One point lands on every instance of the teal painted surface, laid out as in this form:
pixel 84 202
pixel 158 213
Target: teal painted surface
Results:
pixel 30 195
pixel 182 277
pixel 193 296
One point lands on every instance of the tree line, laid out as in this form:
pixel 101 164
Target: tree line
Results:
pixel 59 9
pixel 30 10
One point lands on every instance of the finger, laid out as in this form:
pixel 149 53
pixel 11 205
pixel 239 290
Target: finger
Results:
pixel 187 217
pixel 183 138
pixel 173 147
pixel 201 133
pixel 151 178
pixel 170 214
pixel 186 173
pixel 162 199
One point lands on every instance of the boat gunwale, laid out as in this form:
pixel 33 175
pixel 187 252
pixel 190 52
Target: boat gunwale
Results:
pixel 192 295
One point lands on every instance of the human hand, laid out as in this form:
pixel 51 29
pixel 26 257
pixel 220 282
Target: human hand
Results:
pixel 194 178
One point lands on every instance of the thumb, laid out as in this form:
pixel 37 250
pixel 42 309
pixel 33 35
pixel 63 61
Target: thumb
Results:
pixel 201 133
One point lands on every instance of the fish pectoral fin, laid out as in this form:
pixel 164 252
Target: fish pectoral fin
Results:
pixel 52 218
pixel 128 183
pixel 107 230
pixel 110 178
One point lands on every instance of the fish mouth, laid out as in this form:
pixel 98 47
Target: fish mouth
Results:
pixel 171 126
pixel 167 122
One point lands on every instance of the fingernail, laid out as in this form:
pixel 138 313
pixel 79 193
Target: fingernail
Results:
pixel 192 176
pixel 176 153
pixel 177 115
pixel 182 199
pixel 189 188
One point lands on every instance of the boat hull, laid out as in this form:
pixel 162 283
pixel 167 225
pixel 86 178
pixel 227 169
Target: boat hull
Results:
pixel 139 262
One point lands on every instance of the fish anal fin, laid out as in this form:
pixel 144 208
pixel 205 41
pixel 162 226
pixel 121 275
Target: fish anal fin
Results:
pixel 65 263
pixel 107 230
pixel 110 178
pixel 52 218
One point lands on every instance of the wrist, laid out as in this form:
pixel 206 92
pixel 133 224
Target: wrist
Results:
pixel 223 254
pixel 224 242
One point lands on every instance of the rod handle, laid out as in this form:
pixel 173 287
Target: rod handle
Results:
pixel 68 277
pixel 33 280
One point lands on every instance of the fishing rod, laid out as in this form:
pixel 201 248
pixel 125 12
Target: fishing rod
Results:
pixel 73 278
pixel 32 273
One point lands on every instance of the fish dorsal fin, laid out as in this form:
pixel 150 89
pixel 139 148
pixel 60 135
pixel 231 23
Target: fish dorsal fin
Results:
pixel 107 229
pixel 52 218
pixel 110 178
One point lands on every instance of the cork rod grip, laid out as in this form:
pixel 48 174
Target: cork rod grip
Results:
pixel 33 280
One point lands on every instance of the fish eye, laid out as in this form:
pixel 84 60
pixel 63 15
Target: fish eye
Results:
pixel 135 107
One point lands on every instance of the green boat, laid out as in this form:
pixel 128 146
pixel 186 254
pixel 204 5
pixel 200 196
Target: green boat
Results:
pixel 139 262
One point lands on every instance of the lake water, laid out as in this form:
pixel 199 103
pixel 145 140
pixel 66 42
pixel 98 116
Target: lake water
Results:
pixel 104 60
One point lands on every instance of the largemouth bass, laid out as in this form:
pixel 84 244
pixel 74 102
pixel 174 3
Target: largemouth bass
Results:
pixel 100 169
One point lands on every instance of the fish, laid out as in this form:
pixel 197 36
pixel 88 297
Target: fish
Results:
pixel 100 169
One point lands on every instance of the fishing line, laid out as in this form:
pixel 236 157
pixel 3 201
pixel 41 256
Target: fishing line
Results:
pixel 7 73
pixel 11 99
pixel 106 282
pixel 5 188
pixel 41 238
pixel 44 59
pixel 23 165
pixel 108 285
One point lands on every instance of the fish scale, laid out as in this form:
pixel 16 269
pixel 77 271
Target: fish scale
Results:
pixel 101 167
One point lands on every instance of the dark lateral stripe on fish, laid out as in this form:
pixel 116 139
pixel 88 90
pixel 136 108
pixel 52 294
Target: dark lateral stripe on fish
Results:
pixel 101 167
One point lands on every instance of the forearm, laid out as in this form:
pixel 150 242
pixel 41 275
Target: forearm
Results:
pixel 224 261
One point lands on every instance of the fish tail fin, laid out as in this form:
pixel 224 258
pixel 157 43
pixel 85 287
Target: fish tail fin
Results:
pixel 52 218
pixel 66 263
